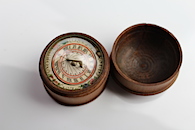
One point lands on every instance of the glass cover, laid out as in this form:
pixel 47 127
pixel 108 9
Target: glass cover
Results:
pixel 73 63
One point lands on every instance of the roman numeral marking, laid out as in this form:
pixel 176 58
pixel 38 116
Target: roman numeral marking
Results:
pixel 66 48
pixel 69 80
pixel 88 71
pixel 85 50
pixel 79 47
pixel 75 80
pixel 81 78
pixel 74 47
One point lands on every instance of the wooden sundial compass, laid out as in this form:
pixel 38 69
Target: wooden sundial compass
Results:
pixel 74 68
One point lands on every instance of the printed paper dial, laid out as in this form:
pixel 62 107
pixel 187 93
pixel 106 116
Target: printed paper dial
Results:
pixel 74 63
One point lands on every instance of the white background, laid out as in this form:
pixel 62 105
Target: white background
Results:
pixel 26 27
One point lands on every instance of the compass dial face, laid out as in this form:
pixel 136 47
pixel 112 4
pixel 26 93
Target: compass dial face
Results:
pixel 74 62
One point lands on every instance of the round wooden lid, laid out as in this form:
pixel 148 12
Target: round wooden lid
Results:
pixel 146 56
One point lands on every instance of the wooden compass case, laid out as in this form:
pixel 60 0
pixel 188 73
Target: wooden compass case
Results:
pixel 80 96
